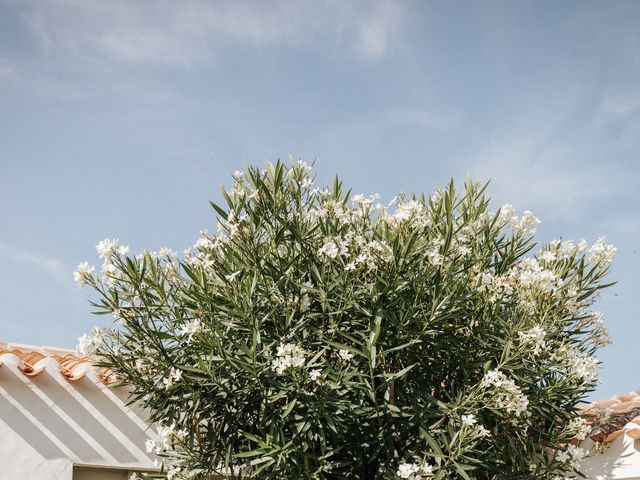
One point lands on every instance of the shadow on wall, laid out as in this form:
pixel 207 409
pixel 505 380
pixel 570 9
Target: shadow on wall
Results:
pixel 83 421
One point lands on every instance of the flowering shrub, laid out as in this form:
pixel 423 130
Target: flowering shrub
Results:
pixel 319 335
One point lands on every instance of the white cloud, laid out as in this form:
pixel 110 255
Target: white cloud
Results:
pixel 548 179
pixel 378 29
pixel 191 33
pixel 51 266
pixel 8 71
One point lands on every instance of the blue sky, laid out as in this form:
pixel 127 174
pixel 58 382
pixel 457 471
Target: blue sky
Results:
pixel 122 120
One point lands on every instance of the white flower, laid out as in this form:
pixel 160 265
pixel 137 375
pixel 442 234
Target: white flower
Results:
pixel 174 376
pixel 482 431
pixel 152 447
pixel 469 420
pixel 167 252
pixel 83 272
pixel 172 471
pixel 408 470
pixel 232 276
pixel 288 355
pixel 345 355
pixel 315 374
pixel 580 365
pixel 87 345
pixel 134 476
pixel 508 395
pixel 527 224
pixel 434 257
pixel 204 244
pixel 413 471
pixel 334 247
pixel 305 303
pixel 547 256
pixel 573 455
pixel 580 428
pixel 602 253
pixel 190 328
pixel 534 337
pixel 110 246
pixel 412 212
pixel 166 434
pixel 507 214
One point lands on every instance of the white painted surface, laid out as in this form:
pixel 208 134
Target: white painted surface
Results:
pixel 620 461
pixel 49 424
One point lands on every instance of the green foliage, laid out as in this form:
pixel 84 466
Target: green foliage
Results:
pixel 321 336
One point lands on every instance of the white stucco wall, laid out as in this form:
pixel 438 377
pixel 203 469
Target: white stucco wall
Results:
pixel 621 460
pixel 49 424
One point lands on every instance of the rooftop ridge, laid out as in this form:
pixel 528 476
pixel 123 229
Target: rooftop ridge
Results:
pixel 44 349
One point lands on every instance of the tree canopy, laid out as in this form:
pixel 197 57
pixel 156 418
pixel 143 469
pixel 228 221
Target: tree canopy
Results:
pixel 322 335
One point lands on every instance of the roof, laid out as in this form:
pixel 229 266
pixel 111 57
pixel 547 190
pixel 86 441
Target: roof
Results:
pixel 614 416
pixel 32 360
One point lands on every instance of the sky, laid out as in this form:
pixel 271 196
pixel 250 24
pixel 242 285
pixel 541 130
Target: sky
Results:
pixel 122 119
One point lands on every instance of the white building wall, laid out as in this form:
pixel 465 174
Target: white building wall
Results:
pixel 49 424
pixel 621 460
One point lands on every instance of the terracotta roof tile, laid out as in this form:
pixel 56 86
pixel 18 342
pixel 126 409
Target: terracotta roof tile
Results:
pixel 614 416
pixel 32 360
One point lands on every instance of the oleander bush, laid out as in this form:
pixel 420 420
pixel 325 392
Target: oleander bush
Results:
pixel 320 335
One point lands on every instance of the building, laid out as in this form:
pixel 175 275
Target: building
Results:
pixel 616 438
pixel 61 420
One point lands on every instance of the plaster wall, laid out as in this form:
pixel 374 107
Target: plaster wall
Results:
pixel 49 424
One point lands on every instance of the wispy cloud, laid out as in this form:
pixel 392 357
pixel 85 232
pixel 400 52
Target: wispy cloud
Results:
pixel 191 33
pixel 51 266
pixel 8 71
pixel 550 179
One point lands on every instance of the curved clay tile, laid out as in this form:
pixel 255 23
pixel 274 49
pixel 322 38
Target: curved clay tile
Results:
pixel 76 369
pixel 32 360
pixel 626 397
pixel 107 376
pixel 613 435
pixel 634 433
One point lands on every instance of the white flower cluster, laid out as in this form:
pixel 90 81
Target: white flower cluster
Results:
pixel 534 337
pixel 409 212
pixel 204 252
pixel 470 420
pixel 88 344
pixel 563 249
pixel 174 376
pixel 580 365
pixel 315 375
pixel 107 250
pixel 599 331
pixel 601 253
pixel 189 329
pixel 580 428
pixel 571 456
pixel 371 253
pixel 508 395
pixel 345 355
pixel 166 436
pixel 83 273
pixel 525 225
pixel 333 247
pixel 288 355
pixel 529 274
pixel 414 471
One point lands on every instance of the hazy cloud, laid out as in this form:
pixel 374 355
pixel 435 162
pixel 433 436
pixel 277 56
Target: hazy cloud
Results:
pixel 49 265
pixel 190 33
